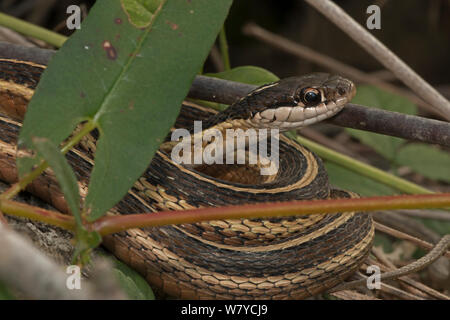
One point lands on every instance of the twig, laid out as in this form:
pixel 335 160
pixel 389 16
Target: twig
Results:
pixel 37 55
pixel 386 288
pixel 427 214
pixel 216 59
pixel 3 219
pixel 379 254
pixel 383 75
pixel 406 224
pixel 439 249
pixel 9 35
pixel 394 124
pixel 353 116
pixel 401 235
pixel 385 56
pixel 352 295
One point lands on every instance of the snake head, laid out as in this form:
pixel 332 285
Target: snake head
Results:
pixel 296 102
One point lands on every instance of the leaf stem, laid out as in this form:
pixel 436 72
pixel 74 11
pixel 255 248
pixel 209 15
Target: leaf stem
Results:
pixel 361 168
pixel 87 127
pixel 28 178
pixel 19 209
pixel 32 30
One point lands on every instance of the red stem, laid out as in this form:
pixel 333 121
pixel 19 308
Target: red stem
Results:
pixel 24 210
pixel 112 224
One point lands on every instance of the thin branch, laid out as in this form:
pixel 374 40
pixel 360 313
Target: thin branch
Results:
pixel 394 124
pixel 406 280
pixel 19 52
pixel 112 224
pixel 438 250
pixel 353 116
pixel 406 224
pixel 9 35
pixel 351 295
pixel 427 214
pixel 24 210
pixel 224 48
pixel 401 235
pixel 385 56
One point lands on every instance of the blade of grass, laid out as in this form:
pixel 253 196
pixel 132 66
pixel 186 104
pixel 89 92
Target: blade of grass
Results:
pixel 224 49
pixel 32 30
pixel 360 167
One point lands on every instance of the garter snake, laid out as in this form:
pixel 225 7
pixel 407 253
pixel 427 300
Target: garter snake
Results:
pixel 279 258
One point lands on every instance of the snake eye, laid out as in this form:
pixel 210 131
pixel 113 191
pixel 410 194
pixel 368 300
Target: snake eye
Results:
pixel 310 96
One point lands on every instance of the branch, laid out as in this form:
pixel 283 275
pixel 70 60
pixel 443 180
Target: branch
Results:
pixel 112 224
pixel 353 116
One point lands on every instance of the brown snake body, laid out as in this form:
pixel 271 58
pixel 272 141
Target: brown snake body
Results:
pixel 279 258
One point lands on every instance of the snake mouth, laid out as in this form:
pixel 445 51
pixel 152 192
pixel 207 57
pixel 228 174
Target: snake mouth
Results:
pixel 287 118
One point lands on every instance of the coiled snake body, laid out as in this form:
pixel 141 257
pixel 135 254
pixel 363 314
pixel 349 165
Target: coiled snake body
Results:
pixel 277 258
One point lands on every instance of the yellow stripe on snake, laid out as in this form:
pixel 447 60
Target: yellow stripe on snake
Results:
pixel 278 258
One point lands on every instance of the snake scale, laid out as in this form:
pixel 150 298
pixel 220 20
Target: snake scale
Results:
pixel 278 258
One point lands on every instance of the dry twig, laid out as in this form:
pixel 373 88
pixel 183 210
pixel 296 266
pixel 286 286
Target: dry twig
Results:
pixel 385 56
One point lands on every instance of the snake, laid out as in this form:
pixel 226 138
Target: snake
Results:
pixel 292 257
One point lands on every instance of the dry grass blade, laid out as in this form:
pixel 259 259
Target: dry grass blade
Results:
pixel 309 54
pixel 401 235
pixel 421 263
pixel 406 281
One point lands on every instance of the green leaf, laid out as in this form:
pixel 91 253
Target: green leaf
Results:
pixel 135 287
pixel 5 293
pixel 348 180
pixel 378 98
pixel 128 81
pixel 64 174
pixel 426 160
pixel 246 74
